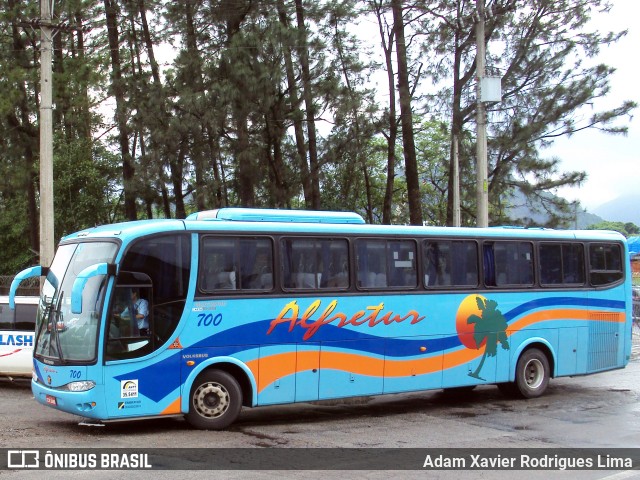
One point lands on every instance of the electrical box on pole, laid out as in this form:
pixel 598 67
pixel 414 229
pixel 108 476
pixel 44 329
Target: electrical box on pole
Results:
pixel 490 89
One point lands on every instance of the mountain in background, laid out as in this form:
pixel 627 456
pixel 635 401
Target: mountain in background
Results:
pixel 535 212
pixel 622 209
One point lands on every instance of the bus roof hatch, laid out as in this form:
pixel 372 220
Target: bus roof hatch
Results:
pixel 275 215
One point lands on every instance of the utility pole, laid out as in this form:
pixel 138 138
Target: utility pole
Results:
pixel 47 31
pixel 46 135
pixel 482 187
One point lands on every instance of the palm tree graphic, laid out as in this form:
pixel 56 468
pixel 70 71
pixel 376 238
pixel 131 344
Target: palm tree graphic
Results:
pixel 491 328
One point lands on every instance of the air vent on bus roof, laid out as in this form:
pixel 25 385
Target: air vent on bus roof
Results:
pixel 274 215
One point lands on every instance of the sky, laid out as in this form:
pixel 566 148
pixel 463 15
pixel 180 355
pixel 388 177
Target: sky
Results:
pixel 612 162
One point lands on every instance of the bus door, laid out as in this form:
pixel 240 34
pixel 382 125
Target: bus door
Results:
pixel 307 372
pixel 290 376
pixel 139 378
pixel 347 370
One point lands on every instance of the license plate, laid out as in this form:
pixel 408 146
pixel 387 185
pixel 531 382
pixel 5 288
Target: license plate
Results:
pixel 51 400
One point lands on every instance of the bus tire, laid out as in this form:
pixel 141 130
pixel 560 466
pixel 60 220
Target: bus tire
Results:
pixel 215 401
pixel 532 374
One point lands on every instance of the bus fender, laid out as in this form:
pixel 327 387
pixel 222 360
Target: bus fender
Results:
pixel 526 344
pixel 210 362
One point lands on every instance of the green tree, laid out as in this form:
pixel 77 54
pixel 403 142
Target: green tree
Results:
pixel 543 51
pixel 628 229
pixel 86 184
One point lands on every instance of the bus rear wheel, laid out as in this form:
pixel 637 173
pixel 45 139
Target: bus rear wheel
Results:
pixel 532 374
pixel 216 401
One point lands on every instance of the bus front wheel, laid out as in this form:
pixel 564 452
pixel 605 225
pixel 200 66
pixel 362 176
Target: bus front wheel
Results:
pixel 532 373
pixel 216 400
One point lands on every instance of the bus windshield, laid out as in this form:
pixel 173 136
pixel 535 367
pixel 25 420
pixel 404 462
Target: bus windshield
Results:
pixel 60 335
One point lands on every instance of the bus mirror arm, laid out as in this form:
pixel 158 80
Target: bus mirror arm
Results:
pixel 31 272
pixel 82 279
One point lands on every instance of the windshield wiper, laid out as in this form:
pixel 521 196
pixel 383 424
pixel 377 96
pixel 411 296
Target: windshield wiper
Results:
pixel 57 314
pixel 46 347
pixel 43 322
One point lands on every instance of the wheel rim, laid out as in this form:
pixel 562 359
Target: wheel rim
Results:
pixel 211 400
pixel 534 373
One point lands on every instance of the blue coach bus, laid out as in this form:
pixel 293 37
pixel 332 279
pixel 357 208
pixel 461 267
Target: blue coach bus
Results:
pixel 248 307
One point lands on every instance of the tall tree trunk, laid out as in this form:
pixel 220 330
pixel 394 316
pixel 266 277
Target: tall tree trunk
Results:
pixel 219 197
pixel 246 170
pixel 84 124
pixel 196 87
pixel 28 135
pixel 406 118
pixel 117 84
pixel 314 173
pixel 273 139
pixel 456 127
pixel 297 119
pixel 177 168
pixel 360 159
pixel 387 39
pixel 159 132
pixel 62 112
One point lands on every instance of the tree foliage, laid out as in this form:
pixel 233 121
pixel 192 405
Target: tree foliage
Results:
pixel 163 108
pixel 628 229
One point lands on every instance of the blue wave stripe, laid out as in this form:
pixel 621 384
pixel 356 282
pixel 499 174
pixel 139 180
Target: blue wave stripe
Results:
pixel 243 337
pixel 255 333
pixel 563 302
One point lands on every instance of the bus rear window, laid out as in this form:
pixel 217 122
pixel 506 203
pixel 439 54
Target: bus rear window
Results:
pixel 605 264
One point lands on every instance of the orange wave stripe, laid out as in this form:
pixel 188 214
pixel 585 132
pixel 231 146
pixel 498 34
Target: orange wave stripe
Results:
pixel 566 314
pixel 269 369
pixel 173 407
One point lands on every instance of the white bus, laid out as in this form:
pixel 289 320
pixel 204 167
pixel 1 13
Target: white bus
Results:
pixel 17 329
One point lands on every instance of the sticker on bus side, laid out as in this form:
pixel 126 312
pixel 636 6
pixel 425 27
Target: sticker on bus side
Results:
pixel 129 388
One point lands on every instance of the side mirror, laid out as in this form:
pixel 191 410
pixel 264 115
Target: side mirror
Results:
pixel 31 272
pixel 82 279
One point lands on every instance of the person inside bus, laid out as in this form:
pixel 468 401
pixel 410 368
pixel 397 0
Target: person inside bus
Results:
pixel 141 312
pixel 140 308
pixel 261 276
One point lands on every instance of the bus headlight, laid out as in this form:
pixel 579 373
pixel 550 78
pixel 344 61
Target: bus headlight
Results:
pixel 81 386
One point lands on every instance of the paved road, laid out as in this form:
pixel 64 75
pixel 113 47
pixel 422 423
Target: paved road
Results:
pixel 595 411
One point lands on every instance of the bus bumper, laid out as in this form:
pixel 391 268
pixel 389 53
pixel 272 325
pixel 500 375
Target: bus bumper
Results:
pixel 87 403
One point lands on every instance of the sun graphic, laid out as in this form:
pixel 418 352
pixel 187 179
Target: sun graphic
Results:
pixel 468 307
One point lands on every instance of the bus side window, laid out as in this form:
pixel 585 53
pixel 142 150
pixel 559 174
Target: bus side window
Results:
pixel 561 264
pixel 26 316
pixel 450 263
pixel 256 264
pixel 315 264
pixel 573 264
pixel 512 263
pixel 387 263
pixel 489 264
pixel 371 270
pixel 401 259
pixel 605 264
pixel 6 317
pixel 217 269
pixel 550 264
